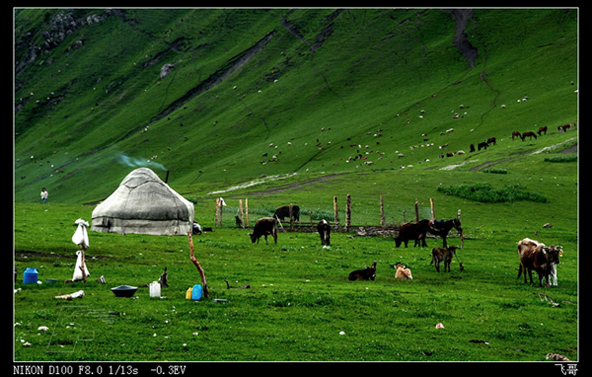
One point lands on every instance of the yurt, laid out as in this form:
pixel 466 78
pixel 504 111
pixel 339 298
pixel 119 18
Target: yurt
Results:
pixel 144 204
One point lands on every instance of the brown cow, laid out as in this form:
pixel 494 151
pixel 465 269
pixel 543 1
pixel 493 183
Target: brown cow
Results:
pixel 264 227
pixel 443 254
pixel 368 273
pixel 529 134
pixel 542 129
pixel 412 231
pixel 491 140
pixel 536 256
pixel 516 133
pixel 324 230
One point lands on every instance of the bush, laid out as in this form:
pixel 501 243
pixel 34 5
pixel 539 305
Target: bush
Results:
pixel 483 192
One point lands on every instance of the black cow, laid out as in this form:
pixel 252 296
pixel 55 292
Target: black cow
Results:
pixel 264 227
pixel 284 211
pixel 368 273
pixel 324 230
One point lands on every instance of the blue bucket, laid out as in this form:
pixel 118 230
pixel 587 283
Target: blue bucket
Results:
pixel 197 292
pixel 30 276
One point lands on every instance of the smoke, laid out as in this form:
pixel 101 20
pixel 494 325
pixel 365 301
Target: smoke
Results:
pixel 139 162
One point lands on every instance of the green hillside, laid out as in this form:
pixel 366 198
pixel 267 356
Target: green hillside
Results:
pixel 311 88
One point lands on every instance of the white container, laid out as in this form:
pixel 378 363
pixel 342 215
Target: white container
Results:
pixel 154 289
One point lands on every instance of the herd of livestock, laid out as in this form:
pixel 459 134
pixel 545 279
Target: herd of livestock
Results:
pixel 533 254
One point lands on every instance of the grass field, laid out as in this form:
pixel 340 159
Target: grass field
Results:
pixel 298 106
pixel 300 300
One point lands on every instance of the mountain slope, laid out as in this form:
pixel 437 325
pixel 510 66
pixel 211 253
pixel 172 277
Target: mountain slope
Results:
pixel 255 92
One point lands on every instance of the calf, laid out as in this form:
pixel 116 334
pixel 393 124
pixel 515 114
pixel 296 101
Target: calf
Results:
pixel 443 254
pixel 536 256
pixel 264 227
pixel 324 230
pixel 368 273
pixel 403 272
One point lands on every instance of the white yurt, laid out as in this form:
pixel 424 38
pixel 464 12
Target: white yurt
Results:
pixel 144 204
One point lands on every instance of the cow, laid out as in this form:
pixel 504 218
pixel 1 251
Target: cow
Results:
pixel 491 140
pixel 264 227
pixel 443 254
pixel 403 272
pixel 542 129
pixel 536 256
pixel 368 273
pixel 412 231
pixel 482 145
pixel 324 230
pixel 472 148
pixel 528 133
pixel 284 211
pixel 516 133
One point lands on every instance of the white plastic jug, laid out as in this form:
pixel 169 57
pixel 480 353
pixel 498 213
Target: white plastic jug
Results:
pixel 154 289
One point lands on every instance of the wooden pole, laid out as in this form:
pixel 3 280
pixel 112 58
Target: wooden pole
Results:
pixel 432 208
pixel 348 213
pixel 382 220
pixel 247 210
pixel 291 218
pixel 220 209
pixel 82 264
pixel 242 213
pixel 217 206
pixel 416 210
pixel 462 237
pixel 335 215
pixel 204 284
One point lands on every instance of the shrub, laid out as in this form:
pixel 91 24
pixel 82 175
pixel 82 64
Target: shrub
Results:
pixel 483 192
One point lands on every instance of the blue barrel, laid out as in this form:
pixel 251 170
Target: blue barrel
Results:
pixel 30 276
pixel 197 292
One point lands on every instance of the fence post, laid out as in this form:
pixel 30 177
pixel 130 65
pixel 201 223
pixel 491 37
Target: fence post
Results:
pixel 217 206
pixel 432 208
pixel 462 237
pixel 348 213
pixel 291 218
pixel 416 211
pixel 335 216
pixel 247 210
pixel 242 213
pixel 382 221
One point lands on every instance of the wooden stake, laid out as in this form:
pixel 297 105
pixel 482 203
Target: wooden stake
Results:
pixel 382 220
pixel 462 237
pixel 242 213
pixel 348 213
pixel 204 284
pixel 432 208
pixel 217 206
pixel 247 210
pixel 82 264
pixel 291 218
pixel 416 210
pixel 335 214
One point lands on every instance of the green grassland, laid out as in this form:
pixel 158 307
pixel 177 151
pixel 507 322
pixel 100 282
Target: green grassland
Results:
pixel 319 88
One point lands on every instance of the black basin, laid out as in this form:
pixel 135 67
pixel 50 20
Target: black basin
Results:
pixel 124 291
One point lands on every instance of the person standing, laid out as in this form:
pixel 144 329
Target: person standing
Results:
pixel 44 195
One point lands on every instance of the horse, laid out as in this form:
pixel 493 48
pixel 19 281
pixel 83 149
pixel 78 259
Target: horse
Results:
pixel 442 227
